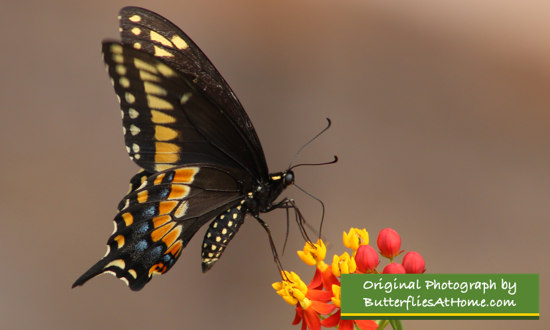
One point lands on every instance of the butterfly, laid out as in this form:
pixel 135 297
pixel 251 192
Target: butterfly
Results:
pixel 200 157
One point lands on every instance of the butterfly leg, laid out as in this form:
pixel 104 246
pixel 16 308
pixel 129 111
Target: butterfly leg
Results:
pixel 271 243
pixel 288 204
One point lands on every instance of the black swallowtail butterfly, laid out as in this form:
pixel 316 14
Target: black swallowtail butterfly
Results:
pixel 200 156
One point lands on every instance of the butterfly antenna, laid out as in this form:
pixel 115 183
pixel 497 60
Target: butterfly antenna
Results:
pixel 329 123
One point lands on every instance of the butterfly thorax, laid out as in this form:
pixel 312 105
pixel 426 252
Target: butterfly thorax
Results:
pixel 263 197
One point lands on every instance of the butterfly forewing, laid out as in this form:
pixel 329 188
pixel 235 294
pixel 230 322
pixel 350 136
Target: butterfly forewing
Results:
pixel 166 120
pixel 153 34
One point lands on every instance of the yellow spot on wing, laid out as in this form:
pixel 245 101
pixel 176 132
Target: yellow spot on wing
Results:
pixel 116 49
pixel 120 69
pixel 158 38
pixel 116 263
pixel 165 70
pixel 146 76
pixel 135 18
pixel 162 52
pixel 159 117
pixel 153 88
pixel 142 196
pixel 163 133
pixel 119 240
pixel 178 191
pixel 158 103
pixel 124 82
pixel 128 218
pixel 118 58
pixel 137 45
pixel 136 31
pixel 132 273
pixel 159 233
pixel 179 42
pixel 162 167
pixel 142 65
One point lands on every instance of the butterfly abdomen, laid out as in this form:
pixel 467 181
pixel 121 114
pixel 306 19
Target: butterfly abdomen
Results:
pixel 220 232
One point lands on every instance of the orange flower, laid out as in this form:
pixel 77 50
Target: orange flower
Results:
pixel 310 303
pixel 314 254
pixel 335 320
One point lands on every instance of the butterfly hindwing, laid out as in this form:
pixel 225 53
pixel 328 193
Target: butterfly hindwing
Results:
pixel 157 219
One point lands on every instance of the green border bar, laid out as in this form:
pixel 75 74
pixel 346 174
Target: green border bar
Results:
pixel 440 296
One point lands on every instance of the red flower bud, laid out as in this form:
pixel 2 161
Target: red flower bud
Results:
pixel 414 263
pixel 366 259
pixel 394 268
pixel 389 243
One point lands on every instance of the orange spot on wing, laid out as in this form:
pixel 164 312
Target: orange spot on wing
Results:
pixel 119 240
pixel 166 152
pixel 158 179
pixel 166 158
pixel 157 269
pixel 142 196
pixel 172 236
pixel 175 249
pixel 128 218
pixel 159 233
pixel 160 221
pixel 178 191
pixel 167 207
pixel 184 175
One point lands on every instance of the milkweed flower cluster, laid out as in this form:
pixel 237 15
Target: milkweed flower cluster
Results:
pixel 318 303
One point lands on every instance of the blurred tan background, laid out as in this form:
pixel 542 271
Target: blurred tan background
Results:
pixel 441 120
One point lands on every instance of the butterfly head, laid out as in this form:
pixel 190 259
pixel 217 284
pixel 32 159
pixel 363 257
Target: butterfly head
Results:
pixel 283 179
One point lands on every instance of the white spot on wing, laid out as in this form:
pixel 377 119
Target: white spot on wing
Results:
pixel 185 97
pixel 133 113
pixel 134 130
pixel 129 97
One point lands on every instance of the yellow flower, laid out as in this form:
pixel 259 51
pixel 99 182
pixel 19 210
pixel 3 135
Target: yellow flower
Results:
pixel 344 264
pixel 292 289
pixel 355 238
pixel 313 253
pixel 336 295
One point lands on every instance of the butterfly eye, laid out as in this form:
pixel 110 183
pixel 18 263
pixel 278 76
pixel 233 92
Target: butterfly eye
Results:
pixel 289 178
